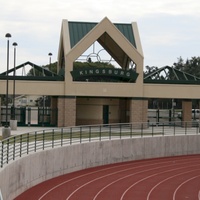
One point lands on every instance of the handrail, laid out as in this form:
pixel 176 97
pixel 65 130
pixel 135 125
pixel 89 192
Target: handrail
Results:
pixel 17 146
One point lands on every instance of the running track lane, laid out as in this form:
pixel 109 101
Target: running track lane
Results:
pixel 172 178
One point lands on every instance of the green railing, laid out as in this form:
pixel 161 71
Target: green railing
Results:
pixel 17 146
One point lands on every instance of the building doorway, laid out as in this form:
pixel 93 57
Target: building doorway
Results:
pixel 105 114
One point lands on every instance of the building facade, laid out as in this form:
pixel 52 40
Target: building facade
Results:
pixel 88 97
pixel 89 89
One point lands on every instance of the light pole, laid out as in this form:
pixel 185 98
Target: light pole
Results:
pixel 14 74
pixel 6 128
pixel 50 54
pixel 44 97
pixel 8 35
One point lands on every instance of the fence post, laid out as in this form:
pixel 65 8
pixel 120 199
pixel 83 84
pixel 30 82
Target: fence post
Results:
pixel 131 134
pixel 29 116
pixel 35 140
pixel 8 149
pixel 53 138
pixel 157 116
pixel 80 134
pixel 163 127
pixel 142 130
pixel 27 143
pixel 185 128
pixel 43 139
pixel 20 142
pixel 110 132
pixel 89 133
pixel 70 135
pixel 120 131
pixel 14 148
pixel 174 129
pixel 61 137
pixel 100 133
pixel 2 146
pixel 170 116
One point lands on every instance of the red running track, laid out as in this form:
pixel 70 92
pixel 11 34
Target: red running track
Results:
pixel 172 178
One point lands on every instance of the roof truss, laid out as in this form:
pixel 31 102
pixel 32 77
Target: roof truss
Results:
pixel 45 74
pixel 170 75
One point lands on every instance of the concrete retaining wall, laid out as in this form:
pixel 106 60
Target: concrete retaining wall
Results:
pixel 38 167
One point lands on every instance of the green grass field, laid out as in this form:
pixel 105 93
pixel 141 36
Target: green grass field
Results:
pixel 49 136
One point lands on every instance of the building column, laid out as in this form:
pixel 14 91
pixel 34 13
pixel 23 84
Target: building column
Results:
pixel 122 110
pixel 187 112
pixel 139 112
pixel 0 111
pixel 66 111
pixel 54 102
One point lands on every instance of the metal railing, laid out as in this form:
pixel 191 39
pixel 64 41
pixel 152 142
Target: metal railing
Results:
pixel 17 146
pixel 26 116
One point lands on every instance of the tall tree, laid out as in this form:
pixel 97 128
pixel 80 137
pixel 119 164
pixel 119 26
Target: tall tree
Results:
pixel 149 70
pixel 52 67
pixel 191 66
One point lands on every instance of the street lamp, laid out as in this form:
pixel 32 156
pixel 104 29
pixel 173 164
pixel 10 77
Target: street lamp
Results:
pixel 14 74
pixel 50 54
pixel 8 35
pixel 44 97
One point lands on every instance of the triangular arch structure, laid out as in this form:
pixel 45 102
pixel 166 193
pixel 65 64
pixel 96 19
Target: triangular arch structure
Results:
pixel 121 41
pixel 38 73
pixel 97 89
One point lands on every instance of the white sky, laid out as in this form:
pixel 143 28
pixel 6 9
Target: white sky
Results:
pixel 168 28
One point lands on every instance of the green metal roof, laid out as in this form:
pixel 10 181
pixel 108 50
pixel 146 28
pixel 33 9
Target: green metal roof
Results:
pixel 78 30
pixel 127 31
pixel 46 74
pixel 169 75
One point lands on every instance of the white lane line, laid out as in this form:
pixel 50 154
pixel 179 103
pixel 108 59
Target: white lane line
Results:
pixel 116 172
pixel 77 177
pixel 90 173
pixel 119 172
pixel 127 164
pixel 150 192
pixel 152 176
pixel 100 191
pixel 175 192
pixel 124 177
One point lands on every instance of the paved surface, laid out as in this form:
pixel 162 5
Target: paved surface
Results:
pixel 168 130
pixel 26 129
pixel 172 178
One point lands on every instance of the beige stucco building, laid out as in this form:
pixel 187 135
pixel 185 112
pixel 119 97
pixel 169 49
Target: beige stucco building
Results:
pixel 111 102
pixel 86 102
pixel 103 95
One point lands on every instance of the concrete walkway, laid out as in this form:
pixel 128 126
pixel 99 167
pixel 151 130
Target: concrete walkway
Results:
pixel 25 129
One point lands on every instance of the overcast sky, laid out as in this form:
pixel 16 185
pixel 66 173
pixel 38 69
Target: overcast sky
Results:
pixel 168 28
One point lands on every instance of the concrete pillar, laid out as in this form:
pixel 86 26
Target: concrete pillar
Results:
pixel 0 111
pixel 139 112
pixel 187 112
pixel 6 132
pixel 122 110
pixel 66 111
pixel 61 107
pixel 13 124
pixel 54 103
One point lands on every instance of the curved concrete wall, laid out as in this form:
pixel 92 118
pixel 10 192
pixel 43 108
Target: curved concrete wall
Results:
pixel 30 170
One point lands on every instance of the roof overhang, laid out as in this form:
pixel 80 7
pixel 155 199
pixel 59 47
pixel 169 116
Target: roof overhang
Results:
pixel 119 40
